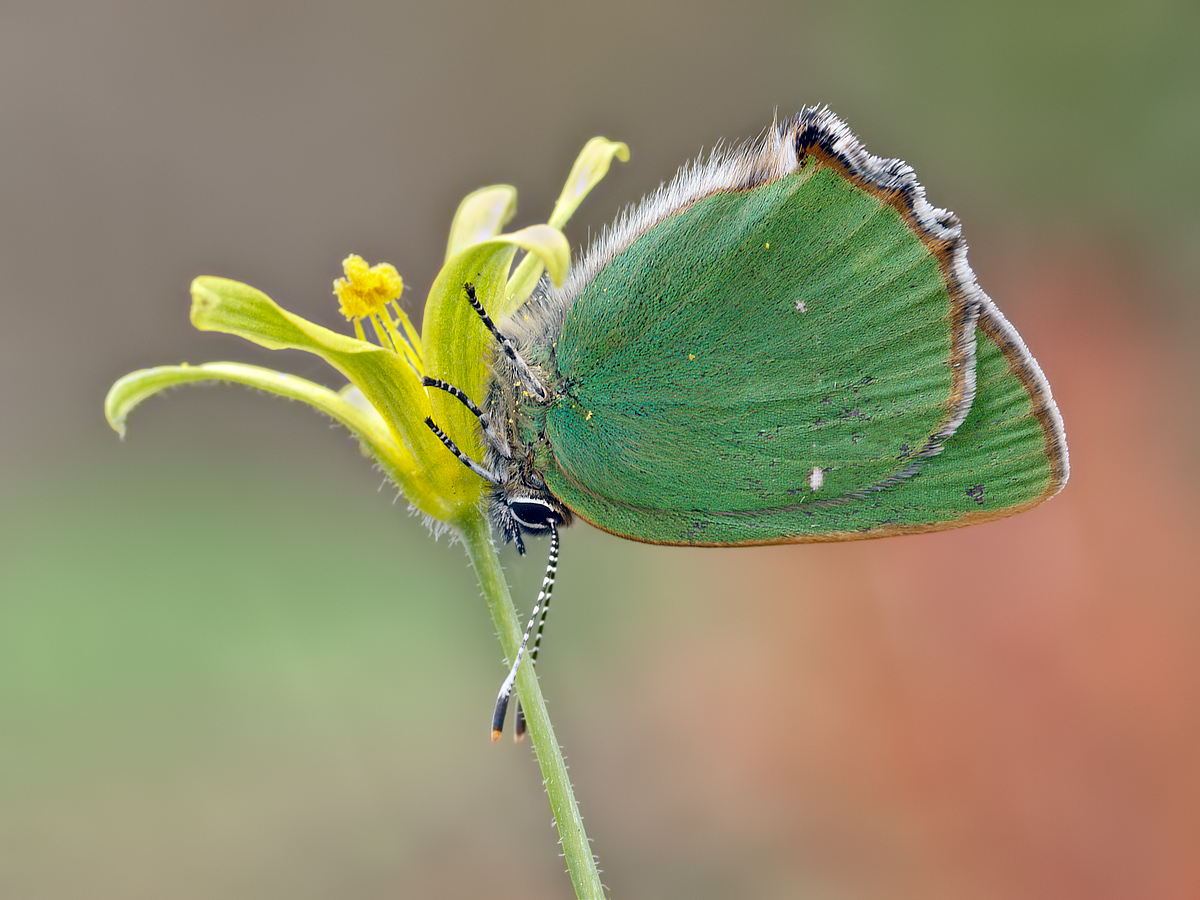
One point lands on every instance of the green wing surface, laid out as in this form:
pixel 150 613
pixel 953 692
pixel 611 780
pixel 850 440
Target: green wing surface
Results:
pixel 792 362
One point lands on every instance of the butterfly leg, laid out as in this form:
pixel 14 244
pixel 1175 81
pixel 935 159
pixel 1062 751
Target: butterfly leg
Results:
pixel 528 379
pixel 486 474
pixel 493 434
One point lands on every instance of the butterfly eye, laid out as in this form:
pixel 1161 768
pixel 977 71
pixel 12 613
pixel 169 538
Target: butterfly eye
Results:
pixel 536 515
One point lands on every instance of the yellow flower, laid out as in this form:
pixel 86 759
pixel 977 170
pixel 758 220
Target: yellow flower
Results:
pixel 385 403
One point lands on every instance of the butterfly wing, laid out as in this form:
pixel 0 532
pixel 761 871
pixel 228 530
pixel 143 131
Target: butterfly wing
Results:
pixel 790 346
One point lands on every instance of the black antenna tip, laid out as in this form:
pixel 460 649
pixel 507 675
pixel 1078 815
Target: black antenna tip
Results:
pixel 498 715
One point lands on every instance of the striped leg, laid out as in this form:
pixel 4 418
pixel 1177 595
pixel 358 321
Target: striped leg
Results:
pixel 486 474
pixel 493 434
pixel 527 377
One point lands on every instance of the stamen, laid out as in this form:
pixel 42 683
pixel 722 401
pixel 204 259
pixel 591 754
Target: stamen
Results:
pixel 383 330
pixel 366 290
pixel 414 339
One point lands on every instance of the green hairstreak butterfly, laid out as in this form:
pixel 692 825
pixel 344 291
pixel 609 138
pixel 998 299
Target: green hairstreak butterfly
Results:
pixel 784 344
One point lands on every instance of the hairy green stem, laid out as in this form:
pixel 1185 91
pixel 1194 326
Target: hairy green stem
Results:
pixel 578 852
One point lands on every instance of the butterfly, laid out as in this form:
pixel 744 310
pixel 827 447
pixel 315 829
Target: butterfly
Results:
pixel 784 344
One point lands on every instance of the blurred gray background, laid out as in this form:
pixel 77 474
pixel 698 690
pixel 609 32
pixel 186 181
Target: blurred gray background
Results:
pixel 231 665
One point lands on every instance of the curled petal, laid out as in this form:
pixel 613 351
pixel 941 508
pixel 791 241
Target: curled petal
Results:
pixel 480 217
pixel 591 165
pixel 373 434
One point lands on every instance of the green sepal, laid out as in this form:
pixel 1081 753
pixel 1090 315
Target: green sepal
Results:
pixel 481 215
pixel 388 382
pixel 591 165
pixel 456 343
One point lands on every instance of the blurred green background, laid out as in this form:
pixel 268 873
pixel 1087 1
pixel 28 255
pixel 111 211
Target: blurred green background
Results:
pixel 231 665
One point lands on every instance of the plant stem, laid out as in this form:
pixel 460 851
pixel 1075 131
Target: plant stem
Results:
pixel 581 864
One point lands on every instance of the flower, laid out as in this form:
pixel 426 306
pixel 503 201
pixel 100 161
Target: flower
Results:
pixel 384 404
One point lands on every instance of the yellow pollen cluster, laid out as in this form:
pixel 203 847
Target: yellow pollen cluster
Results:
pixel 366 290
